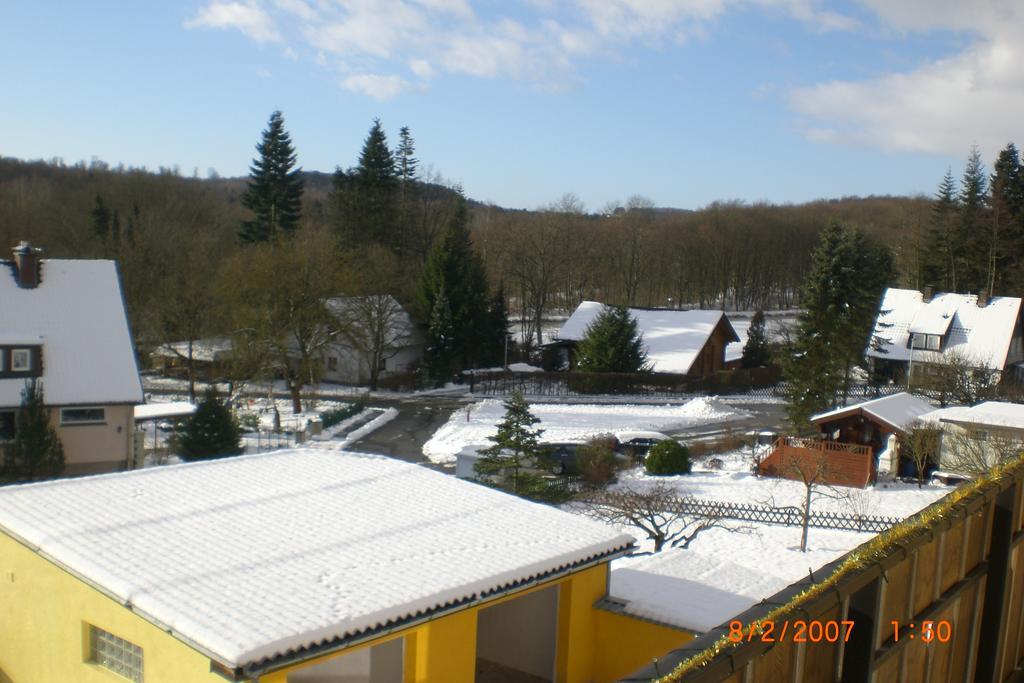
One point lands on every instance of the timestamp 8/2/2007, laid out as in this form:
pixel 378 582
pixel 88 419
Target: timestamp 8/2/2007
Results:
pixel 798 631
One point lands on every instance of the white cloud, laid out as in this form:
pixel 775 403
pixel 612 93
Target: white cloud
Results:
pixel 247 18
pixel 942 106
pixel 421 68
pixel 377 86
pixel 299 8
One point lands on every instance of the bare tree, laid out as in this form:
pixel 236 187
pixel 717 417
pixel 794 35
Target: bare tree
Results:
pixel 975 451
pixel 373 325
pixel 959 378
pixel 812 469
pixel 921 446
pixel 655 511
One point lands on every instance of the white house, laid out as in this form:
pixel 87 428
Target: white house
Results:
pixel 682 342
pixel 63 324
pixel 916 330
pixel 376 338
pixel 976 438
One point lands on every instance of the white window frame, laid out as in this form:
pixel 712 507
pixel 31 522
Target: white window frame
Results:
pixel 65 422
pixel 115 654
pixel 26 355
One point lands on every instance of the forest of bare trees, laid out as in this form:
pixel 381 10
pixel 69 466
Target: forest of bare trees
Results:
pixel 174 237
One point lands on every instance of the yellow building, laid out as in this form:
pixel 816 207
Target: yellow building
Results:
pixel 306 567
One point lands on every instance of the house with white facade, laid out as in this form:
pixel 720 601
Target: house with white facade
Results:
pixel 375 338
pixel 63 325
pixel 916 331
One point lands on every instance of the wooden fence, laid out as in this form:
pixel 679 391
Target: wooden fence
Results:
pixel 829 462
pixel 784 516
pixel 938 598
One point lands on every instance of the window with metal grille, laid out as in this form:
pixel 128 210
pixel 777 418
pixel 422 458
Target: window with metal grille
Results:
pixel 115 654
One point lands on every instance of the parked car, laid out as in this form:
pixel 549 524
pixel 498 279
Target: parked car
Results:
pixel 636 443
pixel 562 457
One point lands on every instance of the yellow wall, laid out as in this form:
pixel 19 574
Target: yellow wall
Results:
pixel 625 644
pixel 44 612
pixel 100 447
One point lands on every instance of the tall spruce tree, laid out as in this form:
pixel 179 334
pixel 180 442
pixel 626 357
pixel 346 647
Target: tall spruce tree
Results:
pixel 941 252
pixel 1006 231
pixel 974 236
pixel 36 452
pixel 405 156
pixel 455 271
pixel 847 277
pixel 612 343
pixel 274 193
pixel 755 351
pixel 211 432
pixel 100 218
pixel 365 200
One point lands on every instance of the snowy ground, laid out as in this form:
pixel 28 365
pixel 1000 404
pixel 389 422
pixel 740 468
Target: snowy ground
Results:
pixel 724 572
pixel 572 422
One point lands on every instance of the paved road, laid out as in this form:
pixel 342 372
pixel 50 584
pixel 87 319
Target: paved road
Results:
pixel 763 416
pixel 417 420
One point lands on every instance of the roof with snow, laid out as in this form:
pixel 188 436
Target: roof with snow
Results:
pixel 981 335
pixel 77 314
pixel 899 411
pixel 333 544
pixel 673 339
pixel 357 314
pixel 203 350
pixel 157 411
pixel 987 414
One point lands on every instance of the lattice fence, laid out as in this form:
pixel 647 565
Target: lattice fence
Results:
pixel 783 516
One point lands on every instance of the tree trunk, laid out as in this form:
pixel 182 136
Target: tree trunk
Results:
pixel 295 388
pixel 191 374
pixel 806 521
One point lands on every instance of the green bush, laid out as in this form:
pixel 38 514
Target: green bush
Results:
pixel 329 418
pixel 668 457
pixel 211 432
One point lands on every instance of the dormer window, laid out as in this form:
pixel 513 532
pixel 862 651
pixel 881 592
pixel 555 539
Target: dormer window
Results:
pixel 21 361
pixel 930 342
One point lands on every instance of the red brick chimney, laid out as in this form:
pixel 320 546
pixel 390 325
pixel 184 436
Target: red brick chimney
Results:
pixel 26 265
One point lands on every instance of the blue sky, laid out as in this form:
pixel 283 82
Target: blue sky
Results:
pixel 683 102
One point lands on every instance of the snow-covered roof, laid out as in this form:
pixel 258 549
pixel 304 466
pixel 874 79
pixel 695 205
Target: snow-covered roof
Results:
pixel 987 414
pixel 672 338
pixel 155 411
pixel 359 311
pixel 898 410
pixel 77 314
pixel 203 350
pixel 980 335
pixel 256 557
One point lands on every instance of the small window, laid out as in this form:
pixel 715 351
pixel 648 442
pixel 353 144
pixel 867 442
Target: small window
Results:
pixel 383 363
pixel 81 416
pixel 933 342
pixel 21 360
pixel 332 363
pixel 116 654
pixel 6 425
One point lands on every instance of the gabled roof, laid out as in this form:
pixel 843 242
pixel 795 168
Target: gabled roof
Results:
pixel 77 314
pixel 987 414
pixel 672 338
pixel 356 311
pixel 260 557
pixel 899 411
pixel 981 335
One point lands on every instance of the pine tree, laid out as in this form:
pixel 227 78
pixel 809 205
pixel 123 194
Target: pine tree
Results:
pixel 456 270
pixel 211 432
pixel 842 290
pixel 365 199
pixel 1006 231
pixel 974 257
pixel 755 351
pixel 274 193
pixel 516 447
pixel 441 334
pixel 497 334
pixel 940 254
pixel 406 157
pixel 36 452
pixel 612 343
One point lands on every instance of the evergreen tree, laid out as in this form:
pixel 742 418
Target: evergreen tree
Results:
pixel 440 353
pixel 274 193
pixel 974 257
pixel 406 157
pixel 455 270
pixel 612 343
pixel 365 199
pixel 847 277
pixel 100 219
pixel 211 432
pixel 943 245
pixel 36 451
pixel 755 351
pixel 1006 229
pixel 497 333
pixel 516 447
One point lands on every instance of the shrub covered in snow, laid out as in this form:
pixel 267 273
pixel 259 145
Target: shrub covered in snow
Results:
pixel 668 457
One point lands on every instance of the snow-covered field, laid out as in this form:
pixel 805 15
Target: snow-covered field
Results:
pixel 567 422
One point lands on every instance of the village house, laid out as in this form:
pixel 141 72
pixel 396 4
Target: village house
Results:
pixel 680 342
pixel 376 338
pixel 974 439
pixel 307 565
pixel 63 325
pixel 917 331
